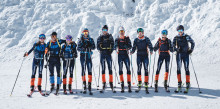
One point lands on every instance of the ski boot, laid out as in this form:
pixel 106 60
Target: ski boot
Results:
pixel 179 89
pixel 156 85
pixel 166 86
pixel 52 88
pixel 111 86
pixel 32 91
pixel 139 86
pixel 103 87
pixel 187 87
pixel 90 88
pixel 39 89
pixel 84 88
pixel 57 90
pixel 122 87
pixel 129 87
pixel 64 89
pixel 70 88
pixel 146 87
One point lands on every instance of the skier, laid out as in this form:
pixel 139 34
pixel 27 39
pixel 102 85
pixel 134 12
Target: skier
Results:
pixel 69 54
pixel 164 46
pixel 181 46
pixel 142 44
pixel 38 61
pixel 123 44
pixel 54 49
pixel 85 45
pixel 105 45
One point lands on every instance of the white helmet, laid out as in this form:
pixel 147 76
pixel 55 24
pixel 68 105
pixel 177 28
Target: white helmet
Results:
pixel 121 28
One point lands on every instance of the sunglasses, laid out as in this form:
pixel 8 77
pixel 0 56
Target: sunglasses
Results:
pixel 180 30
pixel 121 31
pixel 68 39
pixel 104 30
pixel 85 32
pixel 41 38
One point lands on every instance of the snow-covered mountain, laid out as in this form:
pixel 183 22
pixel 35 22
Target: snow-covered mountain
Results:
pixel 21 21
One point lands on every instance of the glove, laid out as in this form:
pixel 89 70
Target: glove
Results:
pixel 155 49
pixel 45 66
pixel 25 54
pixel 177 50
pixel 190 51
pixel 75 55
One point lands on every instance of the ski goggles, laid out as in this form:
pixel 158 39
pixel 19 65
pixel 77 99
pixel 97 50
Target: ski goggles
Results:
pixel 140 31
pixel 85 32
pixel 121 31
pixel 164 33
pixel 69 39
pixel 42 37
pixel 104 30
pixel 180 30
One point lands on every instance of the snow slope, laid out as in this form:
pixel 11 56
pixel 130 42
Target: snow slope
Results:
pixel 21 21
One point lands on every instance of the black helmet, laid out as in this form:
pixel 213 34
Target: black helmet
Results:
pixel 105 27
pixel 180 27
pixel 54 33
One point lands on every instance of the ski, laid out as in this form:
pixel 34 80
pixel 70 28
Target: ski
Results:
pixel 186 91
pixel 90 93
pixel 43 94
pixel 138 90
pixel 167 90
pixel 178 90
pixel 30 94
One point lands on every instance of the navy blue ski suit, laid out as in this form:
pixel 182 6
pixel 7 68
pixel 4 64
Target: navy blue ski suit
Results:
pixel 69 54
pixel 85 46
pixel 105 44
pixel 183 50
pixel 164 46
pixel 38 61
pixel 123 45
pixel 142 45
pixel 54 49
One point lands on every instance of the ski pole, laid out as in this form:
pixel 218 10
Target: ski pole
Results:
pixel 195 75
pixel 99 71
pixel 46 75
pixel 75 74
pixel 93 70
pixel 17 76
pixel 170 69
pixel 115 72
pixel 133 75
pixel 153 69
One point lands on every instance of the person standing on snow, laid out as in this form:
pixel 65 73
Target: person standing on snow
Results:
pixel 123 44
pixel 85 45
pixel 164 46
pixel 105 45
pixel 38 61
pixel 181 46
pixel 54 49
pixel 142 44
pixel 69 54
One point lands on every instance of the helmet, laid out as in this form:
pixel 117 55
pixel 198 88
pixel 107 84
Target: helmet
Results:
pixel 69 37
pixel 122 29
pixel 85 30
pixel 54 34
pixel 140 30
pixel 42 36
pixel 105 27
pixel 164 32
pixel 180 27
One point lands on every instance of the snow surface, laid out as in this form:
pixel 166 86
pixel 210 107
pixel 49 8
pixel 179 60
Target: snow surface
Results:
pixel 21 21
